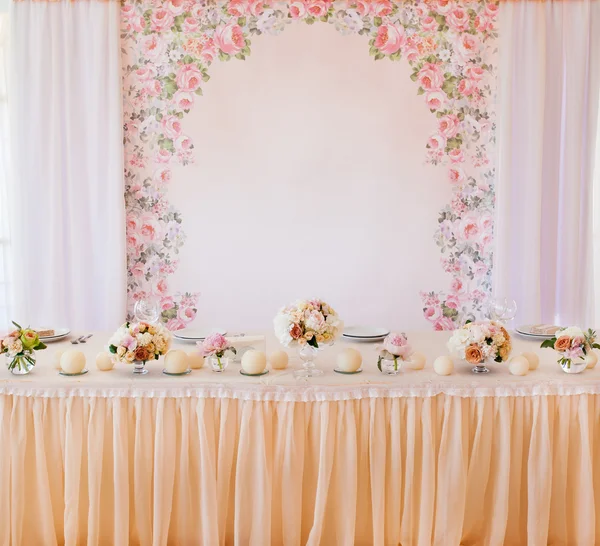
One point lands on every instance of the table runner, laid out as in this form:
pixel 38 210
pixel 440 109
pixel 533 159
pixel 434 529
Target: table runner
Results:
pixel 415 459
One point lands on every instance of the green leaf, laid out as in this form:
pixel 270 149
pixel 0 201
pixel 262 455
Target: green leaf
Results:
pixel 548 343
pixel 199 91
pixel 223 56
pixel 241 21
pixel 205 77
pixel 468 322
pixel 420 91
pixel 414 77
pixel 19 327
pixel 379 56
pixel 169 88
pixel 373 51
pixel 39 347
pixel 310 20
pixel 188 59
pixel 379 363
pixel 240 56
pixel 313 342
pixel 396 56
pixel 377 21
pixel 113 349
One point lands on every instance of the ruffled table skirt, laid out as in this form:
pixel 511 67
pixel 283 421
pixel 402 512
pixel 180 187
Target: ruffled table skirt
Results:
pixel 415 470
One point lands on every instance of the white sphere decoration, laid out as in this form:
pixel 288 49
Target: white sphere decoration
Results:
pixel 443 365
pixel 176 361
pixel 591 359
pixel 104 361
pixel 279 360
pixel 518 365
pixel 534 360
pixel 416 361
pixel 196 360
pixel 72 361
pixel 254 362
pixel 349 360
pixel 57 355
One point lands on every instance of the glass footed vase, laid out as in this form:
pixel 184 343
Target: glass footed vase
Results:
pixel 480 367
pixel 139 367
pixel 21 364
pixel 308 354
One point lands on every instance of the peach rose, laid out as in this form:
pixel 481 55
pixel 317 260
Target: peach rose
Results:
pixel 142 353
pixel 390 38
pixel 430 77
pixel 229 39
pixel 562 343
pixel 296 331
pixel 473 354
pixel 188 78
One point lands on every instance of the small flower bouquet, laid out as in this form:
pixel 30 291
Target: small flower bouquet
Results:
pixel 214 348
pixel 480 342
pixel 19 347
pixel 395 346
pixel 311 322
pixel 573 345
pixel 137 343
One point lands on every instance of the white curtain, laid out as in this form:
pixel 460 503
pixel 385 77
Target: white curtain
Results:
pixel 548 94
pixel 67 211
pixel 5 273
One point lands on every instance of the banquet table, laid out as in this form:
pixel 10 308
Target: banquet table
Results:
pixel 213 459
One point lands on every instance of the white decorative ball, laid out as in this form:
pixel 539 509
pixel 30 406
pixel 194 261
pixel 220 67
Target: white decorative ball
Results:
pixel 519 365
pixel 104 361
pixel 176 361
pixel 254 362
pixel 279 360
pixel 56 361
pixel 349 360
pixel 443 365
pixel 592 359
pixel 534 360
pixel 196 360
pixel 72 361
pixel 415 362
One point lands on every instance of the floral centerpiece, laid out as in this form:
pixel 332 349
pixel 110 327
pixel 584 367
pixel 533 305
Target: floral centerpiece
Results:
pixel 308 325
pixel 480 342
pixel 395 347
pixel 19 347
pixel 214 348
pixel 138 342
pixel 573 345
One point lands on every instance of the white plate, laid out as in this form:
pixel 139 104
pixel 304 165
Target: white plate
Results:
pixel 59 333
pixel 536 330
pixel 365 332
pixel 191 334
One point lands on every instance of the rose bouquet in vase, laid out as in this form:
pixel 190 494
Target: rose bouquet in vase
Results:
pixel 395 348
pixel 214 348
pixel 308 325
pixel 19 346
pixel 481 342
pixel 137 343
pixel 573 346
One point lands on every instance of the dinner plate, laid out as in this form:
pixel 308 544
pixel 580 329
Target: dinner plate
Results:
pixel 191 334
pixel 540 331
pixel 365 332
pixel 59 333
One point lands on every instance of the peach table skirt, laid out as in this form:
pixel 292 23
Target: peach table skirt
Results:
pixel 212 466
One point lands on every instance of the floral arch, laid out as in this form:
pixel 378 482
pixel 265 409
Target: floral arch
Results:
pixel 168 47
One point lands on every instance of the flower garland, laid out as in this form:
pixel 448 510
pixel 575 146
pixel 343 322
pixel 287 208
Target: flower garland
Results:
pixel 168 48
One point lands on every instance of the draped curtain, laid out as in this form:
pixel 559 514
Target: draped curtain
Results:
pixel 67 211
pixel 548 111
pixel 5 286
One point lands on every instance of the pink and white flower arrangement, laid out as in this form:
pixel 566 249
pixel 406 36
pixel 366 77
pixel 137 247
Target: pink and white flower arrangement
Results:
pixel 572 344
pixel 140 341
pixel 19 345
pixel 311 322
pixel 395 346
pixel 215 345
pixel 479 342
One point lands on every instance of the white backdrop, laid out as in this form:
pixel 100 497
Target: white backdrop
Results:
pixel 309 181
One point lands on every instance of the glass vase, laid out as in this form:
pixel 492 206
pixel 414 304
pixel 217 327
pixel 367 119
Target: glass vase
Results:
pixel 573 366
pixel 22 363
pixel 480 368
pixel 139 367
pixel 308 354
pixel 390 366
pixel 218 363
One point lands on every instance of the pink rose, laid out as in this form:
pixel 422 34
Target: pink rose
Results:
pixel 466 87
pixel 435 100
pixel 444 6
pixel 467 46
pixel 437 142
pixel 237 8
pixel 183 99
pixel 430 77
pixel 162 176
pixel 148 227
pixel 163 156
pixel 479 269
pixel 457 286
pixel 456 155
pixel 127 11
pixel 183 143
pixel 187 314
pixel 175 324
pixel 190 24
pixel 381 8
pixel 197 10
pixel 452 302
pixel 458 19
pixel 297 10
pixel 483 23
pixel 573 353
pixel 390 38
pixel 229 38
pixel 153 88
pixel 255 7
pixel 161 287
pixel 213 345
pixel 443 324
pixel 145 73
pixel 176 7
pixel 209 52
pixel 317 9
pixel 152 46
pixel 432 313
pixel 456 175
pixel 397 345
pixel 429 23
pixel 448 125
pixel 167 303
pixel 363 7
pixel 171 126
pixel 469 229
pixel 411 52
pixel 138 270
pixel 138 23
pixel 161 20
pixel 491 9
pixel 189 77
pixel 474 72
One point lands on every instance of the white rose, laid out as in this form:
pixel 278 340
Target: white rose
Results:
pixel 571 331
pixel 144 339
pixel 281 324
pixel 315 321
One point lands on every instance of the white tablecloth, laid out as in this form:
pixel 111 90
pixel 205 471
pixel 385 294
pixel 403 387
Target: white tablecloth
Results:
pixel 109 458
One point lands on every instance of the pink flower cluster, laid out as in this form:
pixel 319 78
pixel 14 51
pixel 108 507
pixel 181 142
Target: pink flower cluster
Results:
pixel 214 345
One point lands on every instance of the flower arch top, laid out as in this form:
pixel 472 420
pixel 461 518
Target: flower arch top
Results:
pixel 168 49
